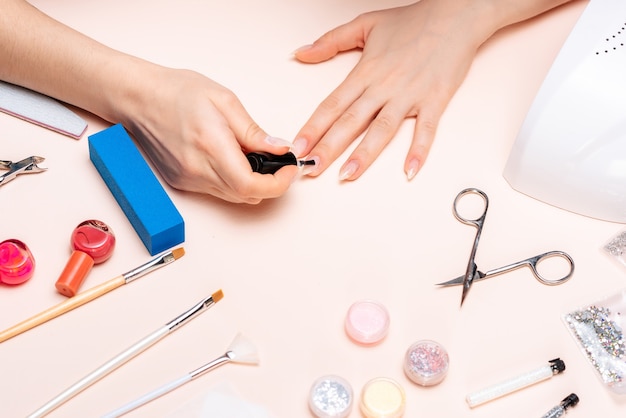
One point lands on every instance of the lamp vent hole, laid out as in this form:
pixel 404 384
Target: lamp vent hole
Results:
pixel 614 41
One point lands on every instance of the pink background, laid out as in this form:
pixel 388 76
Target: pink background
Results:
pixel 290 268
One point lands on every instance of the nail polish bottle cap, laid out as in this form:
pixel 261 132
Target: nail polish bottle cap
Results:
pixel 74 273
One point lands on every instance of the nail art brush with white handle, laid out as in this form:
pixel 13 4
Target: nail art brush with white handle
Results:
pixel 241 350
pixel 128 354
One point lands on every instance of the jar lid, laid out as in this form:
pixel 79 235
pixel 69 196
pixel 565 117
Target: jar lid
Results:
pixel 367 322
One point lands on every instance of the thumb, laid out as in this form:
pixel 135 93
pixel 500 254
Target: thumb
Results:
pixel 343 38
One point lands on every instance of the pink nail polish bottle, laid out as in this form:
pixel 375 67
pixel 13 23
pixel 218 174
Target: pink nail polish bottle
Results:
pixel 17 263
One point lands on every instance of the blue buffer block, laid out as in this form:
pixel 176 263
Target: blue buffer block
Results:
pixel 136 189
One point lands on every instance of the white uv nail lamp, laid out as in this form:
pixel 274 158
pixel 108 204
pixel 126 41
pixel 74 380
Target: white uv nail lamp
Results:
pixel 571 149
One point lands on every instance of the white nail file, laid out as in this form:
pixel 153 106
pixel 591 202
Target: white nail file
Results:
pixel 40 110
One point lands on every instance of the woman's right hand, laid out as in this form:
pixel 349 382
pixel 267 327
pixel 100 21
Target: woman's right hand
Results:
pixel 197 133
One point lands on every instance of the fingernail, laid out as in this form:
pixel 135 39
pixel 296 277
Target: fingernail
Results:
pixel 414 166
pixel 302 48
pixel 278 142
pixel 308 169
pixel 299 145
pixel 348 170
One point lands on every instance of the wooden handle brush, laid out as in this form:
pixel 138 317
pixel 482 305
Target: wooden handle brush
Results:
pixel 91 294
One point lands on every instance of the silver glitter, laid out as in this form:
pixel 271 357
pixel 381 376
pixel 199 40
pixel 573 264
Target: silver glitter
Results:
pixel 617 247
pixel 331 397
pixel 426 363
pixel 602 341
pixel 556 412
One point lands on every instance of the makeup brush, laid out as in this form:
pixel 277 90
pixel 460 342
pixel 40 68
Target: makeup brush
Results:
pixel 93 293
pixel 128 354
pixel 241 350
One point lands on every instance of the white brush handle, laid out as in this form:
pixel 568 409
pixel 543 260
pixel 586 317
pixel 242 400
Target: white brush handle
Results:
pixel 101 371
pixel 509 386
pixel 168 387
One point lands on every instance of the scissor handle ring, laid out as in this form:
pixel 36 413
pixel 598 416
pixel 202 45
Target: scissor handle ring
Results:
pixel 471 190
pixel 551 282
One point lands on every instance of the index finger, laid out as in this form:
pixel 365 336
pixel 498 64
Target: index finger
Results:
pixel 325 115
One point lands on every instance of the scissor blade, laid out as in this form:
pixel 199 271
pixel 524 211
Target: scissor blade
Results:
pixel 453 282
pixel 478 276
pixel 468 280
pixel 466 288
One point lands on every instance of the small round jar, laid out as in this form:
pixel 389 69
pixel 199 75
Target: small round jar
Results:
pixel 367 322
pixel 383 398
pixel 331 397
pixel 426 363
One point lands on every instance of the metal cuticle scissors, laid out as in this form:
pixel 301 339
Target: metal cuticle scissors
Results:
pixel 471 271
pixel 531 262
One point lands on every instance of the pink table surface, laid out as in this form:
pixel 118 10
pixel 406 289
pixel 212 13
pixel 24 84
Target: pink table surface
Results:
pixel 290 268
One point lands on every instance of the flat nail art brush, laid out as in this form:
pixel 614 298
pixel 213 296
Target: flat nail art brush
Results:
pixel 93 293
pixel 241 350
pixel 128 354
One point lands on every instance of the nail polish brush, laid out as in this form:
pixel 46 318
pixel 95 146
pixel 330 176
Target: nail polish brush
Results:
pixel 266 163
pixel 126 355
pixel 241 350
pixel 93 293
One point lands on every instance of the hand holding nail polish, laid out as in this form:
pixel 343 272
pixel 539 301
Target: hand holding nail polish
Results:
pixel 92 243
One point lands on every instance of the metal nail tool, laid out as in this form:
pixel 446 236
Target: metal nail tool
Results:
pixel 472 273
pixel 25 166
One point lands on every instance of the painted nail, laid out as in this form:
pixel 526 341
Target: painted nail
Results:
pixel 278 142
pixel 308 169
pixel 348 170
pixel 414 166
pixel 299 145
